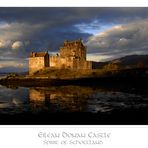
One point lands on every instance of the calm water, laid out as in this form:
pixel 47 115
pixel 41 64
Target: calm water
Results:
pixel 34 100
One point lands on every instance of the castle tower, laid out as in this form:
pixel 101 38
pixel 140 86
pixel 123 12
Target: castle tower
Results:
pixel 74 53
pixel 38 61
pixel 74 49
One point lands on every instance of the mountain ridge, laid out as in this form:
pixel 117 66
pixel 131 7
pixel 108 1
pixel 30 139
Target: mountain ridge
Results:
pixel 130 60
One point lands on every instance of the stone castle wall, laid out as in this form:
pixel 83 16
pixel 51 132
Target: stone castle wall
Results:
pixel 37 63
pixel 54 61
pixel 72 56
pixel 73 49
pixel 70 63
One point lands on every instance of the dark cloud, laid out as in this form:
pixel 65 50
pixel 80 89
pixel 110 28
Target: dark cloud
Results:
pixel 23 30
pixel 80 13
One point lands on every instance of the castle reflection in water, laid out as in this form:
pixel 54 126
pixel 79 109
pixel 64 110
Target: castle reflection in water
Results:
pixel 62 99
pixel 36 100
pixel 82 99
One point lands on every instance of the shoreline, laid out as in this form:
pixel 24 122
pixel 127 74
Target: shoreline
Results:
pixel 136 77
pixel 87 81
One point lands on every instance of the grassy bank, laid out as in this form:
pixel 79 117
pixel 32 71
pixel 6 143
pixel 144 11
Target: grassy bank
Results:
pixel 56 77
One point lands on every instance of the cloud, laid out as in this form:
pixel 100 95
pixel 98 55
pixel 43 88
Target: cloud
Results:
pixel 15 35
pixel 40 29
pixel 1 65
pixel 17 64
pixel 120 40
pixel 18 31
pixel 17 45
pixel 2 45
pixel 9 64
pixel 98 57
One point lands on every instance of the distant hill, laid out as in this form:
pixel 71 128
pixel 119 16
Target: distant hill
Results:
pixel 96 65
pixel 132 60
pixel 127 61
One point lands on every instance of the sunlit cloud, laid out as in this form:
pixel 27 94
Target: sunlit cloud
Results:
pixel 98 58
pixel 12 64
pixel 1 66
pixel 121 40
pixel 17 45
pixel 93 27
pixel 2 45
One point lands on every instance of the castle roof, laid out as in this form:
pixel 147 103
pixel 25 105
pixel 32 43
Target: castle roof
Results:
pixel 38 54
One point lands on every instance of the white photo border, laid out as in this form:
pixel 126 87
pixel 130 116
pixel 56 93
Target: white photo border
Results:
pixel 27 135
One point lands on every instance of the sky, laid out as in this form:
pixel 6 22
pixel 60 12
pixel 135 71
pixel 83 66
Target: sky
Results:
pixel 108 32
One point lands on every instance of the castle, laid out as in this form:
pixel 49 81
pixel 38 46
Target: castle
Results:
pixel 72 56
